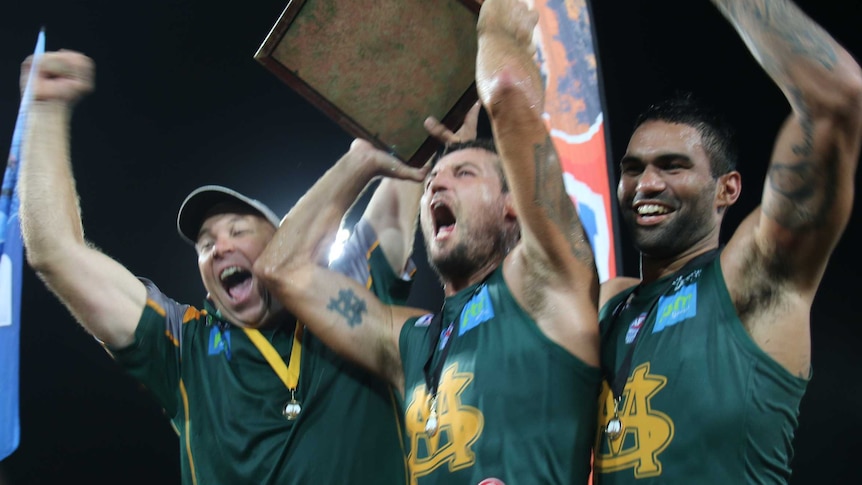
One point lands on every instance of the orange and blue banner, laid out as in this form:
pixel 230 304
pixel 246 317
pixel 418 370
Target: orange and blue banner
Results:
pixel 575 114
pixel 11 262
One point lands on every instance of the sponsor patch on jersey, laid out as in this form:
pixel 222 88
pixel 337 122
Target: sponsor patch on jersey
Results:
pixel 218 340
pixel 491 481
pixel 424 320
pixel 476 311
pixel 677 307
pixel 635 327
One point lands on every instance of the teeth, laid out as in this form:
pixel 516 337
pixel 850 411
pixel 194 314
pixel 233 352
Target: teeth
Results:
pixel 651 210
pixel 229 271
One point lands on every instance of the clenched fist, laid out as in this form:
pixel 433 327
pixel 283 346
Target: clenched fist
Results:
pixel 63 76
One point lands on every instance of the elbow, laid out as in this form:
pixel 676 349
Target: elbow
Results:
pixel 841 97
pixel 848 90
pixel 281 277
pixel 267 272
pixel 851 91
pixel 44 260
pixel 49 245
pixel 37 262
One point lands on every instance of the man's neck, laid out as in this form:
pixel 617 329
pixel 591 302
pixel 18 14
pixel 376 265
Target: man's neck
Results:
pixel 280 319
pixel 653 269
pixel 453 286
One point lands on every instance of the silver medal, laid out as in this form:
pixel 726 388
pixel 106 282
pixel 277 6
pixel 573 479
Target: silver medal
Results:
pixel 431 425
pixel 291 409
pixel 431 422
pixel 614 429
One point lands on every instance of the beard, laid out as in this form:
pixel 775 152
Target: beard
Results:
pixel 465 258
pixel 458 264
pixel 667 240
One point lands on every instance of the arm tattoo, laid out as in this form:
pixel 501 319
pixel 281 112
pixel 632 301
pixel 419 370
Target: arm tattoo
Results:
pixel 803 188
pixel 806 148
pixel 551 195
pixel 784 21
pixel 780 36
pixel 804 194
pixel 349 306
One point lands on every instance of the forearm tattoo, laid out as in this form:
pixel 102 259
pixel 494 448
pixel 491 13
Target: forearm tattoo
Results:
pixel 767 20
pixel 349 306
pixel 551 195
pixel 781 37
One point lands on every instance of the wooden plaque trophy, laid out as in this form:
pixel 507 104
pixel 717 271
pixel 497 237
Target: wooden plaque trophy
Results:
pixel 379 67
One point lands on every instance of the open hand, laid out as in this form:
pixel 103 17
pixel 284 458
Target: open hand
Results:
pixel 467 131
pixel 385 164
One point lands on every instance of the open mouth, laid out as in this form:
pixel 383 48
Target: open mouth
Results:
pixel 648 210
pixel 236 282
pixel 444 219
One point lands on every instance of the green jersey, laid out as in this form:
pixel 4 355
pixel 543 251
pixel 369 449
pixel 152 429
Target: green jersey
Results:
pixel 702 402
pixel 226 402
pixel 513 407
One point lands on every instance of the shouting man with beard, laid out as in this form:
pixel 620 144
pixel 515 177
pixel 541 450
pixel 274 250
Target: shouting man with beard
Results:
pixel 500 385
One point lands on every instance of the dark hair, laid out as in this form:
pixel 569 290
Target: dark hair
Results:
pixel 716 134
pixel 481 143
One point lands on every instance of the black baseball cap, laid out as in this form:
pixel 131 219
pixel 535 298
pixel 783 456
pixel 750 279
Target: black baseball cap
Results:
pixel 198 204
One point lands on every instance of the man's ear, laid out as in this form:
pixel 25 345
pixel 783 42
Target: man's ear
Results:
pixel 509 211
pixel 728 190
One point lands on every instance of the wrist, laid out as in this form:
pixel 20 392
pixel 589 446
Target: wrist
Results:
pixel 51 107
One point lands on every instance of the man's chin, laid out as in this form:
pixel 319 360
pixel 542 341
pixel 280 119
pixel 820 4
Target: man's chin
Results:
pixel 244 317
pixel 658 249
pixel 274 318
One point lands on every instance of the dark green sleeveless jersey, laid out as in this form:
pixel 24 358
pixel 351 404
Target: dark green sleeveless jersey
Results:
pixel 703 404
pixel 225 401
pixel 514 407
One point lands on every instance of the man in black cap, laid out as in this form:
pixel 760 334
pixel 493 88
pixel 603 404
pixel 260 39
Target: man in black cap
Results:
pixel 254 399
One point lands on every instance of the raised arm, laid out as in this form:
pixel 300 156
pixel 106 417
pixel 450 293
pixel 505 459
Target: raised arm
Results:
pixel 552 271
pixel 782 248
pixel 393 209
pixel 392 213
pixel 102 295
pixel 341 312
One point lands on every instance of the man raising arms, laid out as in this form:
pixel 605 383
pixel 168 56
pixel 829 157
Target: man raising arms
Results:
pixel 253 398
pixel 708 356
pixel 499 386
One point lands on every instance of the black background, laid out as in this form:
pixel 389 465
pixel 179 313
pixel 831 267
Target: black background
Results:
pixel 181 102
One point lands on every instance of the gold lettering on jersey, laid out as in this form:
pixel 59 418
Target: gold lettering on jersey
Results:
pixel 646 432
pixel 459 426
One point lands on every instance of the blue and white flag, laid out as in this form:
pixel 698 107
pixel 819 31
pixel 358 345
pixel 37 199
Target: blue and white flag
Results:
pixel 11 261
